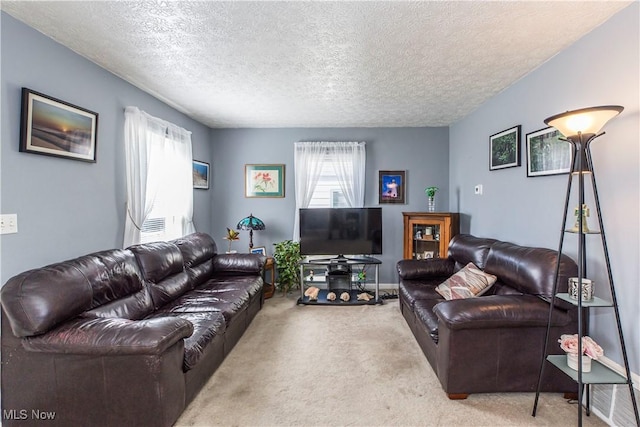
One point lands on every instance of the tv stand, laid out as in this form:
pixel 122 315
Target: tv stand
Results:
pixel 338 277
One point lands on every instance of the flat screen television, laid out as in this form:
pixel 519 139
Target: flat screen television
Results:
pixel 341 231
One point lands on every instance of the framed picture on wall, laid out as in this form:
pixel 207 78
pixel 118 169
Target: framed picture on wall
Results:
pixel 53 127
pixel 260 250
pixel 505 149
pixel 547 154
pixel 264 180
pixel 391 187
pixel 200 175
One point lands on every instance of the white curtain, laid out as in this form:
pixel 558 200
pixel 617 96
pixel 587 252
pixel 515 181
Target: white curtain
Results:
pixel 349 163
pixel 348 159
pixel 157 153
pixel 307 162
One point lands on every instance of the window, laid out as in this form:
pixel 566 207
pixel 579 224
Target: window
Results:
pixel 159 179
pixel 328 174
pixel 164 221
pixel 328 193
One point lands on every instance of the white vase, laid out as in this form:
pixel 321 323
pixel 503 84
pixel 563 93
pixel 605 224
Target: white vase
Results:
pixel 431 204
pixel 572 362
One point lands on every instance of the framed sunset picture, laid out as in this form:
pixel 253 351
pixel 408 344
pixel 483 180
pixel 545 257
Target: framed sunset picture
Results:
pixel 57 128
pixel 264 180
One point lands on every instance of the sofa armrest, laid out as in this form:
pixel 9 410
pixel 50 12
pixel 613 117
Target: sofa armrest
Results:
pixel 112 336
pixel 238 264
pixel 412 269
pixel 498 311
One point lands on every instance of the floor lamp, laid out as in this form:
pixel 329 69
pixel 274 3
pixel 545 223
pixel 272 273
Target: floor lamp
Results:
pixel 581 128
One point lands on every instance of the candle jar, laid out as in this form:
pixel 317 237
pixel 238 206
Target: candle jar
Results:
pixel 587 289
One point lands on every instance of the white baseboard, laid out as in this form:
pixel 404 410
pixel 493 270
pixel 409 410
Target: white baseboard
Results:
pixel 612 402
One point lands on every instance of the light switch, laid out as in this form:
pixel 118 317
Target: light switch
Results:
pixel 8 224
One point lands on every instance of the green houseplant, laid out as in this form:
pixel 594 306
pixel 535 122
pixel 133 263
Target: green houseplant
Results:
pixel 287 257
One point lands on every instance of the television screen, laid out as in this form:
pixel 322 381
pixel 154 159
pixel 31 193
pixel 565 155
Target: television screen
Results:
pixel 341 231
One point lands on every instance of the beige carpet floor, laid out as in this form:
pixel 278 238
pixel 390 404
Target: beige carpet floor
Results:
pixel 348 366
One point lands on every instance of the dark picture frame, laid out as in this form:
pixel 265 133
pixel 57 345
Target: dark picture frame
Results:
pixel 201 175
pixel 264 181
pixel 504 151
pixel 392 187
pixel 53 127
pixel 547 153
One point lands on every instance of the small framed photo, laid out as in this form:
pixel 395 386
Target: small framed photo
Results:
pixel 264 180
pixel 260 250
pixel 547 153
pixel 53 127
pixel 505 149
pixel 391 187
pixel 428 254
pixel 200 175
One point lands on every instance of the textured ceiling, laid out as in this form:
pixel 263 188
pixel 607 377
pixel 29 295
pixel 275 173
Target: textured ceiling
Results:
pixel 318 64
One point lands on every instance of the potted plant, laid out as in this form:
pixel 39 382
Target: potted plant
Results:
pixel 287 257
pixel 590 350
pixel 231 236
pixel 431 197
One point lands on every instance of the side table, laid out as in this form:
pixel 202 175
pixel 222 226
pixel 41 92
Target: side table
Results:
pixel 269 286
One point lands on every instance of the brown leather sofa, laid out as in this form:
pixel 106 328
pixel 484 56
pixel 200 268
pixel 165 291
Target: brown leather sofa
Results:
pixel 123 337
pixel 494 342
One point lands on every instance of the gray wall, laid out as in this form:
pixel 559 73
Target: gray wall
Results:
pixel 67 208
pixel 422 152
pixel 600 69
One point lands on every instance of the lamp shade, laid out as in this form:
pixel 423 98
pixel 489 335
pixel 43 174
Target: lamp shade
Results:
pixel 250 223
pixel 586 121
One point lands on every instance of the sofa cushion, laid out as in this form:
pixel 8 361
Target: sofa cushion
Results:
pixel 37 300
pixel 465 248
pixel 238 264
pixel 162 267
pixel 206 326
pixel 416 290
pixel 229 303
pixel 134 307
pixel 529 270
pixel 467 283
pixel 197 250
pixel 423 310
pixel 252 285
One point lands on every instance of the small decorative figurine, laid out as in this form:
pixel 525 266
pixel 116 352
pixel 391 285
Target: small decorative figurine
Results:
pixel 581 217
pixel 345 296
pixel 364 297
pixel 312 293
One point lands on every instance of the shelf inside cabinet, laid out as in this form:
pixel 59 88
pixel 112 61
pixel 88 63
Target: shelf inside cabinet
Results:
pixel 595 302
pixel 599 374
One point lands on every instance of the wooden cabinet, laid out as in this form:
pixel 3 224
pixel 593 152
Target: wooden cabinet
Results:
pixel 427 234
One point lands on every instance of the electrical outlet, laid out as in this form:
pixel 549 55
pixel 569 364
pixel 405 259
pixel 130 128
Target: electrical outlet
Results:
pixel 8 224
pixel 478 189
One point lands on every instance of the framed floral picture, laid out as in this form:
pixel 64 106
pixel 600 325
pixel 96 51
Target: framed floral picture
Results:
pixel 264 180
